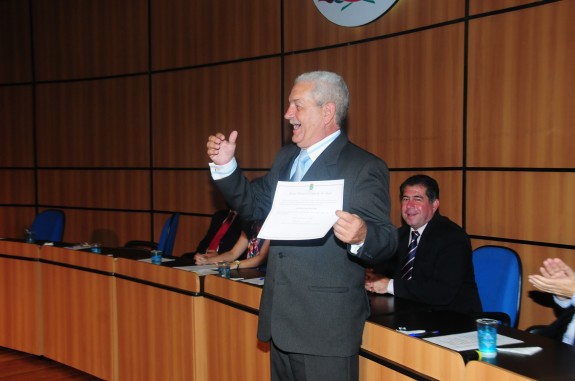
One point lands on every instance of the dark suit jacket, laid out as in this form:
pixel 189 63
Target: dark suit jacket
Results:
pixel 443 275
pixel 228 240
pixel 314 300
pixel 557 329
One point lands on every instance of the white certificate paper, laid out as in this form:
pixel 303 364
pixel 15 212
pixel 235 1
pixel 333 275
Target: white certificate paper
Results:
pixel 303 210
pixel 467 341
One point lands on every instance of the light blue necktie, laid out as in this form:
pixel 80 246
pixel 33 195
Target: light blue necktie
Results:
pixel 301 168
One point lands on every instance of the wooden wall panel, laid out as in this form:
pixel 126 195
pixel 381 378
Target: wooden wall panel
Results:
pixel 191 231
pixel 189 191
pixel 17 142
pixel 529 206
pixel 75 39
pixel 405 95
pixel 480 6
pixel 191 105
pixel 119 189
pixel 17 187
pixel 112 229
pixel 14 220
pixel 94 123
pixel 307 28
pixel 522 88
pixel 450 191
pixel 16 62
pixel 186 191
pixel 187 33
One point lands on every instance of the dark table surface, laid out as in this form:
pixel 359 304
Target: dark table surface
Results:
pixel 555 362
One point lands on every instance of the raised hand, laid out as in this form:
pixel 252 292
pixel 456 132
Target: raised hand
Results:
pixel 556 278
pixel 220 150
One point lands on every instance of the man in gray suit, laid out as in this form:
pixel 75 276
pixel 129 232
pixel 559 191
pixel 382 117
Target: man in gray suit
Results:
pixel 314 305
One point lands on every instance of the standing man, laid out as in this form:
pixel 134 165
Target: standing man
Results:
pixel 314 306
pixel 439 271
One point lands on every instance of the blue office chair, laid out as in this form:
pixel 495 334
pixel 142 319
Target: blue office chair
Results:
pixel 49 226
pixel 167 238
pixel 498 277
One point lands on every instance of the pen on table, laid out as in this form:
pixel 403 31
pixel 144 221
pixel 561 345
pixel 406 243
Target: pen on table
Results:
pixel 424 333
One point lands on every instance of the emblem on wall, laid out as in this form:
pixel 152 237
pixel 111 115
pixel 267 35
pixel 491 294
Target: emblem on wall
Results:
pixel 353 12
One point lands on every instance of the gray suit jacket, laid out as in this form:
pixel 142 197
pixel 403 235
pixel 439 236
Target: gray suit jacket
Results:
pixel 314 300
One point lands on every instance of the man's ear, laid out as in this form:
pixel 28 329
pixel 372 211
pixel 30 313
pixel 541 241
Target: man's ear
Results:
pixel 435 205
pixel 328 111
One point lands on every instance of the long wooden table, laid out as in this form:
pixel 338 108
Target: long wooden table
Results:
pixel 20 297
pixel 122 319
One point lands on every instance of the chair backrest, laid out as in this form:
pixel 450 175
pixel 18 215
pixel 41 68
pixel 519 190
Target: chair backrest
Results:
pixel 49 225
pixel 498 277
pixel 168 237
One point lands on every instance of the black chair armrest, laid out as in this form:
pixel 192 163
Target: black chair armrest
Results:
pixel 143 244
pixel 537 329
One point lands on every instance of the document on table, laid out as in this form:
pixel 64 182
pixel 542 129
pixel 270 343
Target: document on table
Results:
pixel 149 260
pixel 200 269
pixel 256 281
pixel 467 341
pixel 303 210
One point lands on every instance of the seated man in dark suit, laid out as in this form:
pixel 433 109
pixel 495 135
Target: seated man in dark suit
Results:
pixel 433 263
pixel 557 278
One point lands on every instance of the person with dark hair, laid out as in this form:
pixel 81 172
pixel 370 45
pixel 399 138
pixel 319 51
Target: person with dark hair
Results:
pixel 314 306
pixel 248 252
pixel 433 264
pixel 224 232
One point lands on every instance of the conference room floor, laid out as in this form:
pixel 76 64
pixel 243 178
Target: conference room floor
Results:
pixel 19 366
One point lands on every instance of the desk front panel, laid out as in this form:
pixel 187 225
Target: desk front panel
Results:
pixel 414 355
pixel 79 318
pixel 245 294
pixel 20 317
pixel 229 337
pixel 78 258
pixel 371 370
pixel 482 371
pixel 155 332
pixel 186 281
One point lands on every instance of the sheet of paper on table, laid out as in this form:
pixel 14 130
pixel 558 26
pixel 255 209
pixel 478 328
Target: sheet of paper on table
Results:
pixel 467 341
pixel 200 269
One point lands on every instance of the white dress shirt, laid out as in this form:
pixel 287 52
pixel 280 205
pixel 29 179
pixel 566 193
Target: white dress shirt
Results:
pixel 569 334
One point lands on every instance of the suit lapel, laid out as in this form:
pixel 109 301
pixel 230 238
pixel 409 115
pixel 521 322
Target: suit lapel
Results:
pixel 325 166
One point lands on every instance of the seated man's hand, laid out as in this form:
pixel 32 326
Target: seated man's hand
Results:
pixel 375 282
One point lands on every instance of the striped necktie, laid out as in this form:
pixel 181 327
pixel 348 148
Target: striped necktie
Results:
pixel 407 269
